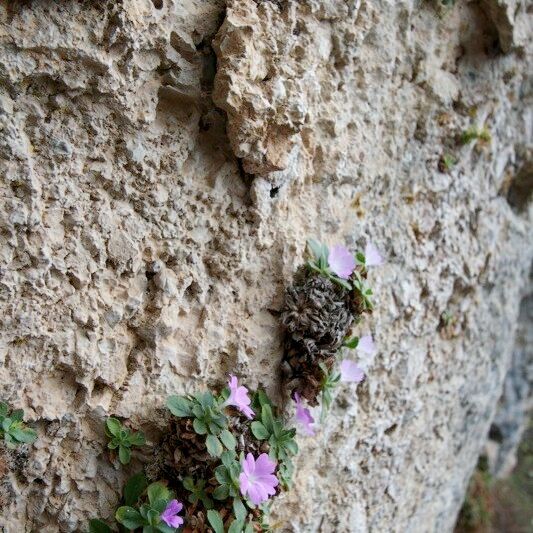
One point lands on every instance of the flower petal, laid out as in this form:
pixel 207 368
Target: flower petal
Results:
pixel 366 344
pixel 372 256
pixel 341 261
pixel 350 372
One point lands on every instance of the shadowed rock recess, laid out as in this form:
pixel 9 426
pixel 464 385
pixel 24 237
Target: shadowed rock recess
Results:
pixel 161 166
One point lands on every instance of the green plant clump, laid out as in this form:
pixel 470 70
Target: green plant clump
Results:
pixel 122 438
pixel 12 428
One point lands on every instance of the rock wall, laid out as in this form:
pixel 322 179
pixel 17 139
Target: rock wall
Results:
pixel 162 163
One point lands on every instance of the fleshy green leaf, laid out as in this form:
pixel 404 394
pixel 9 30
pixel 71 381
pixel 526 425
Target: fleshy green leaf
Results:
pixel 199 426
pixel 239 509
pixel 188 484
pixel 267 418
pixel 179 406
pixel 259 430
pixel 137 439
pixel 215 521
pixel 221 492
pixel 97 526
pixel 214 447
pixel 351 343
pixel 129 517
pixel 134 487
pixel 113 426
pixel 4 409
pixel 17 415
pixel 157 491
pixel 26 435
pixel 228 439
pixel 124 454
pixel 236 526
pixel 315 247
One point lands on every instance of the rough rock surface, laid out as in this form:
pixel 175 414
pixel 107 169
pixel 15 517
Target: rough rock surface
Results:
pixel 147 234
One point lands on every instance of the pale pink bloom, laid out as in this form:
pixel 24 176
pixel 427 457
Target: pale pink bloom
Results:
pixel 170 514
pixel 341 261
pixel 350 372
pixel 366 344
pixel 372 256
pixel 257 479
pixel 303 416
pixel 239 397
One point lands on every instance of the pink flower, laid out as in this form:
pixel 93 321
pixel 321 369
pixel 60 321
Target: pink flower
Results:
pixel 257 479
pixel 350 372
pixel 366 344
pixel 303 416
pixel 341 261
pixel 239 397
pixel 170 514
pixel 372 256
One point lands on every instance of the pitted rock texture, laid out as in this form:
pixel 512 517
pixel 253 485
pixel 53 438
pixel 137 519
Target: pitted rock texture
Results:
pixel 162 164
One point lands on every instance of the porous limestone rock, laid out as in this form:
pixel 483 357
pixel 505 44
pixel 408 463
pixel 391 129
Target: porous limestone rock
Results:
pixel 162 163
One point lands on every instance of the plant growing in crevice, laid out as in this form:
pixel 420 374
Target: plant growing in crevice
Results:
pixel 123 439
pixel 328 296
pixel 475 133
pixel 13 430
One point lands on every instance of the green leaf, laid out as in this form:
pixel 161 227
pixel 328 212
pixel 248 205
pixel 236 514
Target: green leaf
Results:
pixel 157 491
pixel 129 517
pixel 4 409
pixel 341 282
pixel 292 446
pixel 214 447
pixel 137 439
pixel 228 458
pixel 267 418
pixel 163 528
pixel 239 509
pixel 17 415
pixel 360 256
pixel 222 475
pixel 316 248
pixel 260 431
pixel 351 343
pixel 236 526
pixel 249 528
pixel 228 439
pixel 215 521
pixel 97 526
pixel 113 426
pixel 27 435
pixel 188 484
pixel 6 424
pixel 134 487
pixel 221 492
pixel 179 406
pixel 153 516
pixel 199 426
pixel 124 454
pixel 206 399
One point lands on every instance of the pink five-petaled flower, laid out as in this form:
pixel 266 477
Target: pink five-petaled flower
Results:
pixel 170 514
pixel 303 416
pixel 257 479
pixel 239 397
pixel 350 372
pixel 372 256
pixel 341 261
pixel 366 344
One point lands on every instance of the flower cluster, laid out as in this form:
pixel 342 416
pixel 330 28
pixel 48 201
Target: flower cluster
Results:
pixel 226 455
pixel 325 300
